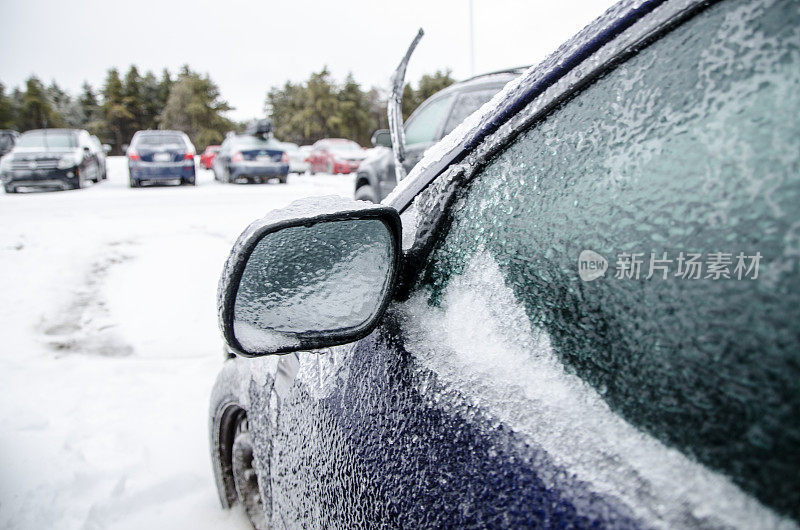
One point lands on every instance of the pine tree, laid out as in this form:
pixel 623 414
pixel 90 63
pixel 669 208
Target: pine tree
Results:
pixel 36 111
pixel 90 109
pixel 115 113
pixel 195 107
pixel 67 108
pixel 133 101
pixel 354 112
pixel 6 110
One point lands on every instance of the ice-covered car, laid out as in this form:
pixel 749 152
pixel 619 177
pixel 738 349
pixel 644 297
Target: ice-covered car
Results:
pixel 335 155
pixel 298 156
pixel 50 158
pixel 101 152
pixel 578 310
pixel 161 156
pixel 251 158
pixel 435 118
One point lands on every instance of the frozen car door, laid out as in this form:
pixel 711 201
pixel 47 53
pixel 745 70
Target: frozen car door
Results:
pixel 509 391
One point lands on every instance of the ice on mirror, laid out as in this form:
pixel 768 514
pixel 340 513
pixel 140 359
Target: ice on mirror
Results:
pixel 298 280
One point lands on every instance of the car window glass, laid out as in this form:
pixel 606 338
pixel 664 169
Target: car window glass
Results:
pixel 680 165
pixel 45 139
pixel 256 142
pixel 159 140
pixel 423 126
pixel 466 104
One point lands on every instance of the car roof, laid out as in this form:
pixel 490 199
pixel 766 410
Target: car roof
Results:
pixel 499 79
pixel 526 88
pixel 74 131
pixel 155 132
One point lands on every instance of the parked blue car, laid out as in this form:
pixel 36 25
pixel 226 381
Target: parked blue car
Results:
pixel 161 156
pixel 251 158
pixel 580 309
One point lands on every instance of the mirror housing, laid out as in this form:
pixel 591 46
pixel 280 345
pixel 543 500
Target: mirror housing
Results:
pixel 382 138
pixel 315 274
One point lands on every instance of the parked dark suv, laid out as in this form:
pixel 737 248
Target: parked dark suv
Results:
pixel 579 311
pixel 434 119
pixel 51 158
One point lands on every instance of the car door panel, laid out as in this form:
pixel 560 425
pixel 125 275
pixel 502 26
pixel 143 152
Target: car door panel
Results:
pixel 387 444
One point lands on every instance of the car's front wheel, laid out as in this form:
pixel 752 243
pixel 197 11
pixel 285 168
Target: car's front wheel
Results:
pixel 244 476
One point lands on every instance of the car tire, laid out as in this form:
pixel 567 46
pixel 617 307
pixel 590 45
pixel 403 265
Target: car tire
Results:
pixel 366 193
pixel 10 189
pixel 245 477
pixel 189 181
pixel 283 179
pixel 133 183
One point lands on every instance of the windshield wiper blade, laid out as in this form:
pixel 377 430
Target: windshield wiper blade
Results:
pixel 395 110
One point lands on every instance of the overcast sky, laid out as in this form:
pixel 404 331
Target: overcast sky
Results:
pixel 247 47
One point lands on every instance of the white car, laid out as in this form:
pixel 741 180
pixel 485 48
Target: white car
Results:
pixel 298 157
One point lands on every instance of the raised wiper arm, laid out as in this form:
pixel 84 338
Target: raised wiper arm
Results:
pixel 395 109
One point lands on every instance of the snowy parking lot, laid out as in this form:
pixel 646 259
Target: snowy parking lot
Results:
pixel 111 347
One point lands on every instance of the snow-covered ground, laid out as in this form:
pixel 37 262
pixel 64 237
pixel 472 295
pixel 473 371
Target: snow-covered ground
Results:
pixel 110 347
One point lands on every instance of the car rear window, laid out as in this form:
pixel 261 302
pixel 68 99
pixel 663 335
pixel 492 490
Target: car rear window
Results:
pixel 257 143
pixel 159 139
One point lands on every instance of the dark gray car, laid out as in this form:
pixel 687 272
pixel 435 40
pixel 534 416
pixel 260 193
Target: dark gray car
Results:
pixel 432 121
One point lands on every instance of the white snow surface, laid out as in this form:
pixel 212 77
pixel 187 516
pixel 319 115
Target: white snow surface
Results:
pixel 111 347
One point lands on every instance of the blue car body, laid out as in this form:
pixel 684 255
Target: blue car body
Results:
pixel 626 410
pixel 252 158
pixel 161 156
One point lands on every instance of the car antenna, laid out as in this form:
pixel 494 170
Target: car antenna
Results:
pixel 395 110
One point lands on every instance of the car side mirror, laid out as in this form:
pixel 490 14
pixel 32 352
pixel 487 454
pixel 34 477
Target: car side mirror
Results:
pixel 382 138
pixel 125 148
pixel 107 148
pixel 318 273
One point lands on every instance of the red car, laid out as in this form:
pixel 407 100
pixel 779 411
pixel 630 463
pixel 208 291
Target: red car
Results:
pixel 207 158
pixel 335 155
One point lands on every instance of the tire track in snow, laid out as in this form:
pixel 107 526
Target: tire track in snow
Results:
pixel 83 325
